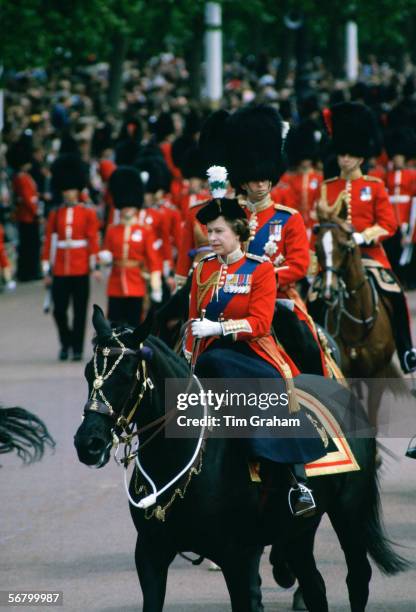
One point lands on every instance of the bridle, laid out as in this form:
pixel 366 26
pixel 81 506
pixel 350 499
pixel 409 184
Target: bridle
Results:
pixel 124 433
pixel 343 292
pixel 98 402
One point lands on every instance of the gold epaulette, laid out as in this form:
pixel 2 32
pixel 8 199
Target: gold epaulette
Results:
pixel 292 211
pixel 330 180
pixel 198 203
pixel 259 258
pixel 375 179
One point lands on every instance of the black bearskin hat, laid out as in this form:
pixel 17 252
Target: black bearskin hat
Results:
pixel 302 142
pixel 193 165
pixel 69 172
pixel 354 130
pixel 255 145
pixel 248 143
pixel 126 187
pixel 400 141
pixel 163 126
pixel 20 153
pixel 158 176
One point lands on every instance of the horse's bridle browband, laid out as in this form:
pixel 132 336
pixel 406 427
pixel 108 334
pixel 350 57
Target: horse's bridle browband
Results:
pixel 103 406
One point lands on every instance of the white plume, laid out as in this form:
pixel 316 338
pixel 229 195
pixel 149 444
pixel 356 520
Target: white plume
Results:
pixel 144 175
pixel 285 129
pixel 217 180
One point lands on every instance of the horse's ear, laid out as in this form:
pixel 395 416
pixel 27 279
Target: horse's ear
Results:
pixel 100 323
pixel 144 329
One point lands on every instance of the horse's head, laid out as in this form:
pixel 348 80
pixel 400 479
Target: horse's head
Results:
pixel 116 377
pixel 334 247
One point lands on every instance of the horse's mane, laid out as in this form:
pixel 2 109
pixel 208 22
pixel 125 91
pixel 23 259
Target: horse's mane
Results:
pixel 165 360
pixel 24 432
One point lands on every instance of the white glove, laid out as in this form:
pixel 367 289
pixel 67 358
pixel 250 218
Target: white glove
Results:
pixel 10 285
pixel 105 256
pixel 204 328
pixel 359 238
pixel 156 295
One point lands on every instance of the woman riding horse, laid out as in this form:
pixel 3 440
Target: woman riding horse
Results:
pixel 237 293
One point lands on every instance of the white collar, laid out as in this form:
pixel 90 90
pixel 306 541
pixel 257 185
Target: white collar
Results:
pixel 231 257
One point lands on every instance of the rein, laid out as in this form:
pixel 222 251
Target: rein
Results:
pixel 343 293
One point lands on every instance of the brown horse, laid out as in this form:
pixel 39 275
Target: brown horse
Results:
pixel 345 300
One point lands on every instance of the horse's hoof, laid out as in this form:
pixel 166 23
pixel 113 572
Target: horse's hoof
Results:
pixel 283 576
pixel 298 603
pixel 378 460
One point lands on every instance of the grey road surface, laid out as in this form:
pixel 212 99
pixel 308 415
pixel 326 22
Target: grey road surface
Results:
pixel 66 527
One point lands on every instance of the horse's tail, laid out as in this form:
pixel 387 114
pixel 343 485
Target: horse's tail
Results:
pixel 23 432
pixel 378 545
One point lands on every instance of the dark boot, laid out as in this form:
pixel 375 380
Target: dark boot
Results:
pixel 402 335
pixel 301 500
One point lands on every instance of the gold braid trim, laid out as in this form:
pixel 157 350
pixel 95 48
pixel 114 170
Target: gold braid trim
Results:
pixel 325 210
pixel 284 367
pixel 203 288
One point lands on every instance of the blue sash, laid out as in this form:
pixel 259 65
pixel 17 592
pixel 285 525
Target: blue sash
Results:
pixel 215 308
pixel 256 246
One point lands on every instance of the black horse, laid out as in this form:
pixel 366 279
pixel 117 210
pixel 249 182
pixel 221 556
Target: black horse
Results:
pixel 217 512
pixel 23 432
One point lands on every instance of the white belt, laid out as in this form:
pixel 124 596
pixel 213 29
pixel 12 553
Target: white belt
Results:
pixel 399 199
pixel 71 244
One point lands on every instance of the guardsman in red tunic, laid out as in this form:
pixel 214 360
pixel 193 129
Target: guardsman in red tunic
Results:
pixel 372 213
pixel 26 199
pixel 277 232
pixel 302 150
pixel 401 186
pixel 69 254
pixel 231 309
pixel 133 251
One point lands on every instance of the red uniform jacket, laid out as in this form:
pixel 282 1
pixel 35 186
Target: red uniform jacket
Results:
pixel 26 194
pixel 248 314
pixel 401 185
pixel 189 200
pixel 378 172
pixel 283 193
pixel 133 248
pixel 174 223
pixel 305 188
pixel 71 238
pixel 371 211
pixel 155 219
pixel 194 236
pixel 4 260
pixel 284 227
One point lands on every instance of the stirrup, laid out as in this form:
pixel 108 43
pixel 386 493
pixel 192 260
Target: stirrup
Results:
pixel 305 503
pixel 409 361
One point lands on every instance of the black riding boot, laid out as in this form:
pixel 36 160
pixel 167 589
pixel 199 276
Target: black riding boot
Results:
pixel 402 334
pixel 301 500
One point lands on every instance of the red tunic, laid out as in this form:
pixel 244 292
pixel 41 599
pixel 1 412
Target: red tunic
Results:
pixel 371 211
pixel 194 236
pixel 4 260
pixel 305 188
pixel 71 238
pixel 133 248
pixel 155 219
pixel 174 224
pixel 26 194
pixel 401 185
pixel 189 200
pixel 250 312
pixel 283 193
pixel 292 246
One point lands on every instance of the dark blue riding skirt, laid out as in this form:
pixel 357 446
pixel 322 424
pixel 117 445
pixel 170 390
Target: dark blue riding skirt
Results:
pixel 227 359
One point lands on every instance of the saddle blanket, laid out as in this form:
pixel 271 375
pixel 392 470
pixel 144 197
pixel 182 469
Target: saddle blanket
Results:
pixel 339 457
